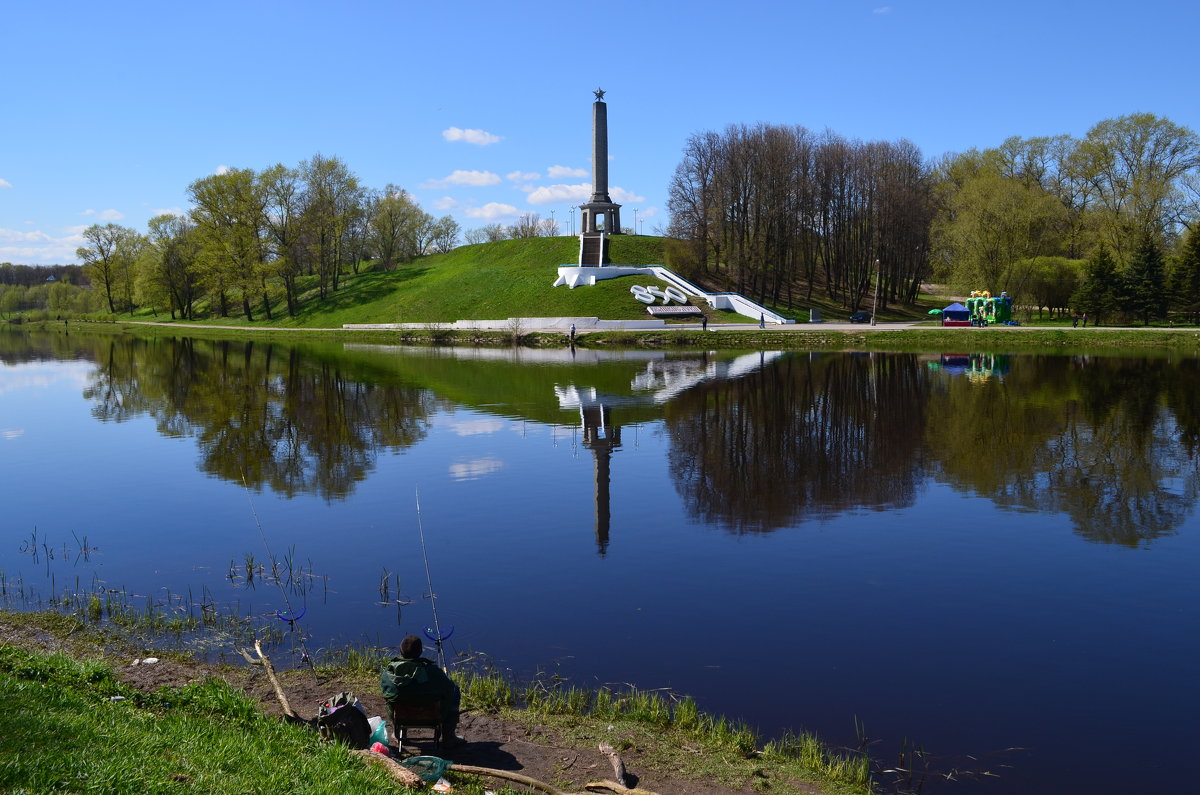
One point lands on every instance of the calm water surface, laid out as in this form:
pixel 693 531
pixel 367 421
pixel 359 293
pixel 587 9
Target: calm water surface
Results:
pixel 992 557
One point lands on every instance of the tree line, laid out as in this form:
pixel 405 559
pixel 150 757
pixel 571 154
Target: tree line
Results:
pixel 778 212
pixel 1104 224
pixel 254 240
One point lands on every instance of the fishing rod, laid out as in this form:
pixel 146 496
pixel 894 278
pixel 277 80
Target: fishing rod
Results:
pixel 434 633
pixel 289 615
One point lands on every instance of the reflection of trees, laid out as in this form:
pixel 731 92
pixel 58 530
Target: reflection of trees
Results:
pixel 803 437
pixel 260 411
pixel 1086 437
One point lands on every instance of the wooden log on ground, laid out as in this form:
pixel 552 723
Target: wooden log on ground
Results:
pixel 265 662
pixel 614 787
pixel 618 766
pixel 504 774
pixel 398 771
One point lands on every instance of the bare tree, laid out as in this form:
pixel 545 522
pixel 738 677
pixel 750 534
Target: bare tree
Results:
pixel 527 225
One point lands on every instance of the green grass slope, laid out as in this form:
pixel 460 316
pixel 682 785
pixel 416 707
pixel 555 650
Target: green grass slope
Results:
pixel 489 281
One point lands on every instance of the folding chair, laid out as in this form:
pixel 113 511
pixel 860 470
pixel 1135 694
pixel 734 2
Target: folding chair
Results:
pixel 416 716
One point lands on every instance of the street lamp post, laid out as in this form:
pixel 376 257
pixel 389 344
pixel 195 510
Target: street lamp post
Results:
pixel 553 224
pixel 572 212
pixel 635 212
pixel 875 298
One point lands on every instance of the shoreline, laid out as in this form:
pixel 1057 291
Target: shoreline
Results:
pixel 898 337
pixel 670 756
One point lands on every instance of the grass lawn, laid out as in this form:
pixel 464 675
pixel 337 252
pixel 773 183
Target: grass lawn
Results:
pixel 493 281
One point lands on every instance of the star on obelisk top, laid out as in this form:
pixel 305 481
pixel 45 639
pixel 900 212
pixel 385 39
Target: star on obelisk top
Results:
pixel 599 92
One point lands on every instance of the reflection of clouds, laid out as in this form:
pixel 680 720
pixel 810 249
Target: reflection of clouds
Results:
pixel 42 375
pixel 473 470
pixel 11 433
pixel 478 426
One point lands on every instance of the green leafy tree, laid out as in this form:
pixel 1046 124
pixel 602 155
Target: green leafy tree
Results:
pixel 283 198
pixel 108 260
pixel 333 200
pixel 1049 282
pixel 395 227
pixel 169 272
pixel 1185 278
pixel 1137 166
pixel 1145 280
pixel 990 222
pixel 1099 294
pixel 229 215
pixel 443 235
pixel 10 298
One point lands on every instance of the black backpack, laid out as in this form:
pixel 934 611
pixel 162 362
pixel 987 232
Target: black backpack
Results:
pixel 340 719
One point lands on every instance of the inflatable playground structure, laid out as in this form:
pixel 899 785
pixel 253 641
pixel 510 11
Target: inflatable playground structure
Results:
pixel 981 309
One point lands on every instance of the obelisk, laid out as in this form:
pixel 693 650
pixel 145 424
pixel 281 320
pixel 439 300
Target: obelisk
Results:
pixel 599 217
pixel 599 151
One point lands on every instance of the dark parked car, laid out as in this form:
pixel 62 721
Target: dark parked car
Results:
pixel 860 317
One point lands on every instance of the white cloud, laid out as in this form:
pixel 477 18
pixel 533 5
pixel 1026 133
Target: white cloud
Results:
pixel 40 376
pixel 621 196
pixel 12 433
pixel 473 470
pixel 477 137
pixel 882 10
pixel 38 247
pixel 557 194
pixel 5 183
pixel 169 211
pixel 472 178
pixel 564 172
pixel 445 203
pixel 522 176
pixel 581 192
pixel 13 236
pixel 491 211
pixel 105 215
pixel 478 427
pixel 222 170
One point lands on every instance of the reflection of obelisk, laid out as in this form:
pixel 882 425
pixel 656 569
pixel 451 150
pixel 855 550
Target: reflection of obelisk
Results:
pixel 599 217
pixel 602 439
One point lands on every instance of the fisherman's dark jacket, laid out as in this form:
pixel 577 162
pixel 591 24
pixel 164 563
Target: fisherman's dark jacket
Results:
pixel 417 681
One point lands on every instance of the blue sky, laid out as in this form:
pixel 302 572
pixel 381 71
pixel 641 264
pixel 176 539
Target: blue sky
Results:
pixel 110 110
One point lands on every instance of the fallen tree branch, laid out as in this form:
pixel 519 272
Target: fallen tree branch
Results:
pixel 612 786
pixel 504 774
pixel 398 771
pixel 602 786
pixel 617 765
pixel 265 662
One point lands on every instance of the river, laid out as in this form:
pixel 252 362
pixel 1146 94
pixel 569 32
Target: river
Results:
pixel 990 557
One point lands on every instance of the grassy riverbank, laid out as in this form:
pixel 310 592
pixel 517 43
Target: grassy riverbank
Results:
pixel 800 337
pixel 88 720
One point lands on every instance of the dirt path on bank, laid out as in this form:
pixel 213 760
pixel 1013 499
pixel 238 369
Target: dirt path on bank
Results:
pixel 537 752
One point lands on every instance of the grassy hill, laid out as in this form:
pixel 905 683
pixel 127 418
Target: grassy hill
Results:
pixel 492 281
pixel 496 281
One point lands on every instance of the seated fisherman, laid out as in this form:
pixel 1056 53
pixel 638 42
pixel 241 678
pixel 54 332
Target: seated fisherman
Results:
pixel 410 679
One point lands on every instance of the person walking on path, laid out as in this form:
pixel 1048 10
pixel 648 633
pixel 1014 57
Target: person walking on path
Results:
pixel 704 322
pixel 762 321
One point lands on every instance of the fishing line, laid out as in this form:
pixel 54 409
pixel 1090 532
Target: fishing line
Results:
pixel 436 634
pixel 289 615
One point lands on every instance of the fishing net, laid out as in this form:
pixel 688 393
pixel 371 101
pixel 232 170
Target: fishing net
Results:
pixel 429 768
